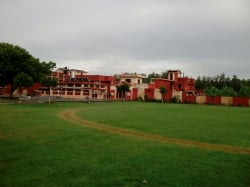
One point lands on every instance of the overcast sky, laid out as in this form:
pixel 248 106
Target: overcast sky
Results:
pixel 199 37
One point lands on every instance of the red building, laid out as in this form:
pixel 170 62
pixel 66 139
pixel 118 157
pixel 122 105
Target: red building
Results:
pixel 175 84
pixel 76 84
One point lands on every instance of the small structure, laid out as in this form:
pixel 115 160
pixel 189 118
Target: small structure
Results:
pixel 132 79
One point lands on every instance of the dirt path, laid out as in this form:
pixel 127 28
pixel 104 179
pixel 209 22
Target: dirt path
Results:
pixel 70 115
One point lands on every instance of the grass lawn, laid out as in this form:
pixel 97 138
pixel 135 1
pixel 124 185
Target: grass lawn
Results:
pixel 38 148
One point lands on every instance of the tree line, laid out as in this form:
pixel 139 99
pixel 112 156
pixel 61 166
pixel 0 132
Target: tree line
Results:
pixel 223 85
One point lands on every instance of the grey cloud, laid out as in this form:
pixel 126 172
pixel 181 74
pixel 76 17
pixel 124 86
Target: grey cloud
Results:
pixel 138 35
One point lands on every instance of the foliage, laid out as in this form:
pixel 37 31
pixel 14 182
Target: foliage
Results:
pixel 221 85
pixel 212 91
pixel 227 91
pixel 117 77
pixel 23 80
pixel 139 98
pixel 175 99
pixel 155 75
pixel 163 91
pixel 150 76
pixel 49 81
pixel 164 75
pixel 200 83
pixel 14 60
pixel 244 91
pixel 122 89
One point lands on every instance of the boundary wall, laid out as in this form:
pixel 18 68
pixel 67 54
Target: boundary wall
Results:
pixel 217 100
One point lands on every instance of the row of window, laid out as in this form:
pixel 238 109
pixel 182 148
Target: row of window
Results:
pixel 82 85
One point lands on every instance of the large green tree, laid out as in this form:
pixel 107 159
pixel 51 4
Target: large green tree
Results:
pixel 14 60
pixel 23 80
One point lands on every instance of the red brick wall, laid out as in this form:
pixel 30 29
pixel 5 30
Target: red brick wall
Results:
pixel 215 100
pixel 240 101
pixel 162 82
pixel 188 98
pixel 150 93
pixel 134 93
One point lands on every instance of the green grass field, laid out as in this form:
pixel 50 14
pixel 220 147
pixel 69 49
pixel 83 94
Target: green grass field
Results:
pixel 40 148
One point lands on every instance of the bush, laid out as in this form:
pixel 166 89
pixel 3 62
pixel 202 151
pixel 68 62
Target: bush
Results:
pixel 227 91
pixel 139 98
pixel 175 99
pixel 244 91
pixel 212 91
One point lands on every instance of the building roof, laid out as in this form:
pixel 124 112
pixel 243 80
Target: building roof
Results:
pixel 174 71
pixel 76 70
pixel 132 75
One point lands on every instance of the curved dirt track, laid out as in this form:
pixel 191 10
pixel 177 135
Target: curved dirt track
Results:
pixel 70 115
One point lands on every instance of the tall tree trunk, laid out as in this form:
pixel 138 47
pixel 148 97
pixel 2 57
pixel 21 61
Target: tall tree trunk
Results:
pixel 49 96
pixel 124 99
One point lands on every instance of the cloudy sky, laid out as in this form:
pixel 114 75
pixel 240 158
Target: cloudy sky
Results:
pixel 199 37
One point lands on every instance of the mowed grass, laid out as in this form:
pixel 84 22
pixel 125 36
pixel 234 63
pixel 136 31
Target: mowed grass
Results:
pixel 38 148
pixel 206 123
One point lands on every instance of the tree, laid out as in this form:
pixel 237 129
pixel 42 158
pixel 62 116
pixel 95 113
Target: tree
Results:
pixel 228 92
pixel 212 91
pixel 22 80
pixel 164 75
pixel 163 91
pixel 244 91
pixel 150 76
pixel 14 60
pixel 235 83
pixel 117 77
pixel 122 89
pixel 49 82
pixel 199 85
pixel 222 85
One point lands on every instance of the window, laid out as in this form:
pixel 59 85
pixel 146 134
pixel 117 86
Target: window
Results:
pixel 179 86
pixel 128 80
pixel 171 76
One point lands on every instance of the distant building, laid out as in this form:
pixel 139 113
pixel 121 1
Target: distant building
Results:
pixel 176 85
pixel 132 78
pixel 76 84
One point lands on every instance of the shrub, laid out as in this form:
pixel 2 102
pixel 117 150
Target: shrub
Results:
pixel 139 98
pixel 175 99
